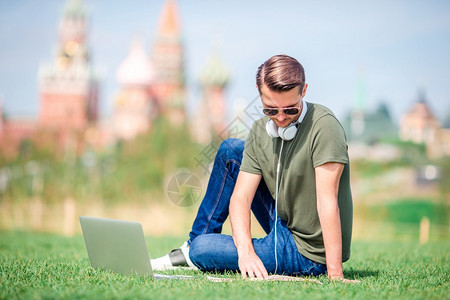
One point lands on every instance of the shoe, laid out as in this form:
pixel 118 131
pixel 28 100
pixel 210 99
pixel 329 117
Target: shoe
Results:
pixel 175 259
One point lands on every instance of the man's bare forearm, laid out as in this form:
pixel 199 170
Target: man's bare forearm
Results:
pixel 240 225
pixel 332 237
pixel 327 186
pixel 240 207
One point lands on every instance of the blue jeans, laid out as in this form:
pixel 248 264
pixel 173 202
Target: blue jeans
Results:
pixel 212 251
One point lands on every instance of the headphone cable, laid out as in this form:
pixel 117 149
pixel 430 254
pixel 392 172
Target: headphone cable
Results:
pixel 276 204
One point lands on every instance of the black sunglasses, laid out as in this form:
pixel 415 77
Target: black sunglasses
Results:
pixel 287 110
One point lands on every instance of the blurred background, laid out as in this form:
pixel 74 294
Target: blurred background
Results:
pixel 116 110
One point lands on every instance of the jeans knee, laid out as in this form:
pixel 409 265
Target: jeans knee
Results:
pixel 198 250
pixel 231 149
pixel 214 252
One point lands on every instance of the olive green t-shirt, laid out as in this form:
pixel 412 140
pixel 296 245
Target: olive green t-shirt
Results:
pixel 320 139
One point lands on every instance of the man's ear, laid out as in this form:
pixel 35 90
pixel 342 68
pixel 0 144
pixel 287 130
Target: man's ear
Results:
pixel 305 87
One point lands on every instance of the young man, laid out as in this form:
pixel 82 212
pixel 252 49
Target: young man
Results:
pixel 293 173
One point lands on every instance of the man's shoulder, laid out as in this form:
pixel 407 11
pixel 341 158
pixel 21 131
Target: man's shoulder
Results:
pixel 320 114
pixel 319 110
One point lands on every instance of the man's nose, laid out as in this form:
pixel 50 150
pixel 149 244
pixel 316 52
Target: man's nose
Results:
pixel 281 116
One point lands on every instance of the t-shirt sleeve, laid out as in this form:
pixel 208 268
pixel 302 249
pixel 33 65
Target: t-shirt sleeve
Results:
pixel 250 163
pixel 329 143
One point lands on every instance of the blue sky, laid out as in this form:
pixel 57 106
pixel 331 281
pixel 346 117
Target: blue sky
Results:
pixel 393 47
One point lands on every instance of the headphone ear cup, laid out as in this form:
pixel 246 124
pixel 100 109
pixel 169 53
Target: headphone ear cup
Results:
pixel 272 129
pixel 287 133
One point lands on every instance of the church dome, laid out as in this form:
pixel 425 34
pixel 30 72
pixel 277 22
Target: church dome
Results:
pixel 214 73
pixel 136 69
pixel 75 9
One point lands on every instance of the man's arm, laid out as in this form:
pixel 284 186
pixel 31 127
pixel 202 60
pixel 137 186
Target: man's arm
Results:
pixel 240 209
pixel 327 187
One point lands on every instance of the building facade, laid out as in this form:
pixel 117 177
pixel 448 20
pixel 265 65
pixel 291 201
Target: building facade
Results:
pixel 150 83
pixel 419 125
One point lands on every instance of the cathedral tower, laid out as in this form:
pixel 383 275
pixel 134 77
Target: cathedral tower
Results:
pixel 168 61
pixel 134 106
pixel 67 87
pixel 211 115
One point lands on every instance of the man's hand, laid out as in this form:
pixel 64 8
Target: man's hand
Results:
pixel 251 265
pixel 342 279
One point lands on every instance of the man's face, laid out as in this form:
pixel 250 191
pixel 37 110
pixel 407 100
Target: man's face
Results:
pixel 291 98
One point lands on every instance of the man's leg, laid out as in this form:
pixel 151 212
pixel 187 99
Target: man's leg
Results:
pixel 217 252
pixel 212 214
pixel 213 210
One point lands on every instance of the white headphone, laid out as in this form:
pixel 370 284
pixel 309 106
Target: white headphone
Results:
pixel 289 132
pixel 285 133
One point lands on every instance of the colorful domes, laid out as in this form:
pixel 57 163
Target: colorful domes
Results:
pixel 214 73
pixel 136 69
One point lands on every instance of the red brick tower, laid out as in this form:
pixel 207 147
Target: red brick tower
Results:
pixel 67 87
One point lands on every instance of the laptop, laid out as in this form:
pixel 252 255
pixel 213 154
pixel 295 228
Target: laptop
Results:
pixel 119 246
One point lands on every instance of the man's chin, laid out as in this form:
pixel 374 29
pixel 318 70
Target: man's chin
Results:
pixel 283 124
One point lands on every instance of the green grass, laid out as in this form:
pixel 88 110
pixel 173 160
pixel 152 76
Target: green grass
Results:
pixel 44 266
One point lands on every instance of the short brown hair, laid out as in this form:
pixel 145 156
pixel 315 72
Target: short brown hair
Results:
pixel 280 73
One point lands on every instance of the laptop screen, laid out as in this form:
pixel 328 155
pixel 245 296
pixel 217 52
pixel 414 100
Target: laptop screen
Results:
pixel 116 245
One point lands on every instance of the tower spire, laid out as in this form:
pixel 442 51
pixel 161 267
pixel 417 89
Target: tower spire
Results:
pixel 168 60
pixel 169 23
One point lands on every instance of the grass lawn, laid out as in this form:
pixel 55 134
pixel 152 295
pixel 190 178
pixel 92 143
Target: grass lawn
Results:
pixel 34 266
